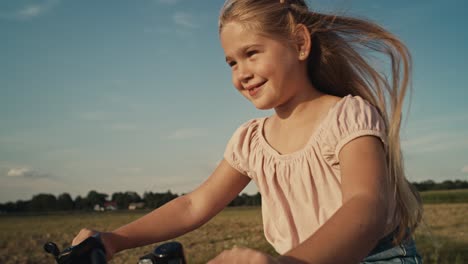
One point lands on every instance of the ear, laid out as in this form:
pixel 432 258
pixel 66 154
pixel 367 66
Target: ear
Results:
pixel 303 41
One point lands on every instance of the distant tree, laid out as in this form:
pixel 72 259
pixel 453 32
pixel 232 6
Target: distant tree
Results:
pixel 238 201
pixel 96 198
pixel 134 197
pixel 446 185
pixel 22 206
pixel 461 184
pixel 254 200
pixel 43 202
pixel 155 200
pixel 65 202
pixel 9 207
pixel 82 203
pixel 425 185
pixel 430 185
pixel 247 200
pixel 124 199
pixel 120 200
pixel 14 207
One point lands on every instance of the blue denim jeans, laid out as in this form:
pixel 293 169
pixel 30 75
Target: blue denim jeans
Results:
pixel 385 253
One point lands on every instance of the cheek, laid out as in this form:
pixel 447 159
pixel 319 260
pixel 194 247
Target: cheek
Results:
pixel 270 68
pixel 236 82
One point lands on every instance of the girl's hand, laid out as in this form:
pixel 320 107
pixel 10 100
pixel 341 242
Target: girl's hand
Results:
pixel 244 256
pixel 85 233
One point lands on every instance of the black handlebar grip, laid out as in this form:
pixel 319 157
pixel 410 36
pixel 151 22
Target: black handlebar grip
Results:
pixel 51 247
pixel 98 256
pixel 91 250
pixel 167 253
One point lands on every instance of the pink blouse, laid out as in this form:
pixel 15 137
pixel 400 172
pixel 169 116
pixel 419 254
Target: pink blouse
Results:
pixel 302 190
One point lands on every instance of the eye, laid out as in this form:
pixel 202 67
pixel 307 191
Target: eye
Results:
pixel 250 53
pixel 231 63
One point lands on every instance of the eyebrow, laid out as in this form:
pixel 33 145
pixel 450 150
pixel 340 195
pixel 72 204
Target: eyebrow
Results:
pixel 242 50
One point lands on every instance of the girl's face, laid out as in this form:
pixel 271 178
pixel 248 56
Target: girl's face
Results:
pixel 264 70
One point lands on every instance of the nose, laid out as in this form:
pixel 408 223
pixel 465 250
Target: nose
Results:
pixel 244 74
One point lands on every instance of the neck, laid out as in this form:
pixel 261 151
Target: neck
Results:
pixel 301 103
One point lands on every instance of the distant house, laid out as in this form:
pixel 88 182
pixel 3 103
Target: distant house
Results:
pixel 107 206
pixel 134 206
pixel 98 207
pixel 110 206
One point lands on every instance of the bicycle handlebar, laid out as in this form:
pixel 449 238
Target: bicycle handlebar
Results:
pixel 167 253
pixel 92 251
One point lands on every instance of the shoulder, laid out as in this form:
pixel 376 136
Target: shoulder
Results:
pixel 356 113
pixel 350 106
pixel 241 144
pixel 247 128
pixel 245 135
pixel 350 118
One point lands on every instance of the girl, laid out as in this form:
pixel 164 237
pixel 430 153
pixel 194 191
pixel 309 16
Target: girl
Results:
pixel 327 162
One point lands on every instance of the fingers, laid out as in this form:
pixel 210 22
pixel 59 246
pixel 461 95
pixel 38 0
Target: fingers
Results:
pixel 242 255
pixel 225 257
pixel 220 258
pixel 106 241
pixel 82 235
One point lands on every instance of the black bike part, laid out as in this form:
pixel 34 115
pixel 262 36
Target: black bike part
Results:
pixel 167 253
pixel 147 259
pixel 98 256
pixel 51 247
pixel 91 250
pixel 82 252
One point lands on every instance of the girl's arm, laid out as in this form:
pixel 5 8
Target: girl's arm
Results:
pixel 351 233
pixel 180 215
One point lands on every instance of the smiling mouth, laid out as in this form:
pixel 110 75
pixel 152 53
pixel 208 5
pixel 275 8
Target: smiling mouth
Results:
pixel 253 90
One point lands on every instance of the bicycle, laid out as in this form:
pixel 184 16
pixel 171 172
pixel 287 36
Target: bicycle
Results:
pixel 92 251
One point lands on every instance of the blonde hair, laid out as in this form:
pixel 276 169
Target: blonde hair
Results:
pixel 337 65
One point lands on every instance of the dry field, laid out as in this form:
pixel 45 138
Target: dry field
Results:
pixel 443 238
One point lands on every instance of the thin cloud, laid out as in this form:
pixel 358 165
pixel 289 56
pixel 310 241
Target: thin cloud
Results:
pixel 184 19
pixel 435 134
pixel 422 141
pixel 436 142
pixel 24 172
pixel 186 133
pixel 30 11
pixel 438 121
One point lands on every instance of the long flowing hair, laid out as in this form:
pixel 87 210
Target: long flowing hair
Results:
pixel 340 63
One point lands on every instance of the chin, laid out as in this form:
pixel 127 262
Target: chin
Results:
pixel 263 105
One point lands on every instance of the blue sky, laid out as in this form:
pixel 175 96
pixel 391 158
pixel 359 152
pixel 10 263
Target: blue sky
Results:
pixel 135 95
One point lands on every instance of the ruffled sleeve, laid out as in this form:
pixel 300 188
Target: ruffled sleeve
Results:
pixel 354 117
pixel 239 147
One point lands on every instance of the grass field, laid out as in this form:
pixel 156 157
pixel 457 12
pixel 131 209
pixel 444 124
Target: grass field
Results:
pixel 445 196
pixel 443 237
